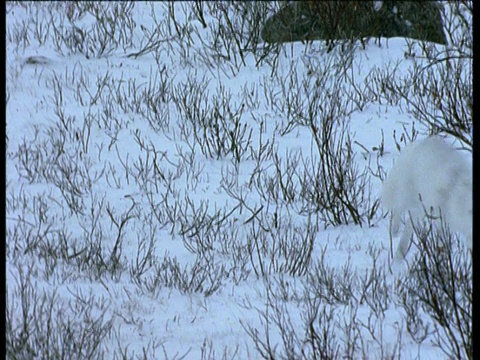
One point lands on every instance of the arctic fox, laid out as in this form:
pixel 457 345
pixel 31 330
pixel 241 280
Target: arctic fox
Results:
pixel 429 175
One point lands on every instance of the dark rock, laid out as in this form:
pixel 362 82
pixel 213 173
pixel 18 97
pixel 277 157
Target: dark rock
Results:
pixel 334 20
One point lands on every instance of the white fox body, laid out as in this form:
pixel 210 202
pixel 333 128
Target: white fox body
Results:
pixel 429 175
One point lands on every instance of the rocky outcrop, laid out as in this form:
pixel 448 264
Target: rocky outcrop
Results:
pixel 333 20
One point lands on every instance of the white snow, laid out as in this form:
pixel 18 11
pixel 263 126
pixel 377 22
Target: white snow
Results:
pixel 121 168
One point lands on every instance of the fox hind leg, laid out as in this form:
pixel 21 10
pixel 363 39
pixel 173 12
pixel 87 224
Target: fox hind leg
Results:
pixel 405 242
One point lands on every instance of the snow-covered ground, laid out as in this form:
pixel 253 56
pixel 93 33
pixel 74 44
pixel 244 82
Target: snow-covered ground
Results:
pixel 160 197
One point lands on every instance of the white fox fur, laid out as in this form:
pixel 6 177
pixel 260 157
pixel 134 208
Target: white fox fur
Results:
pixel 429 175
